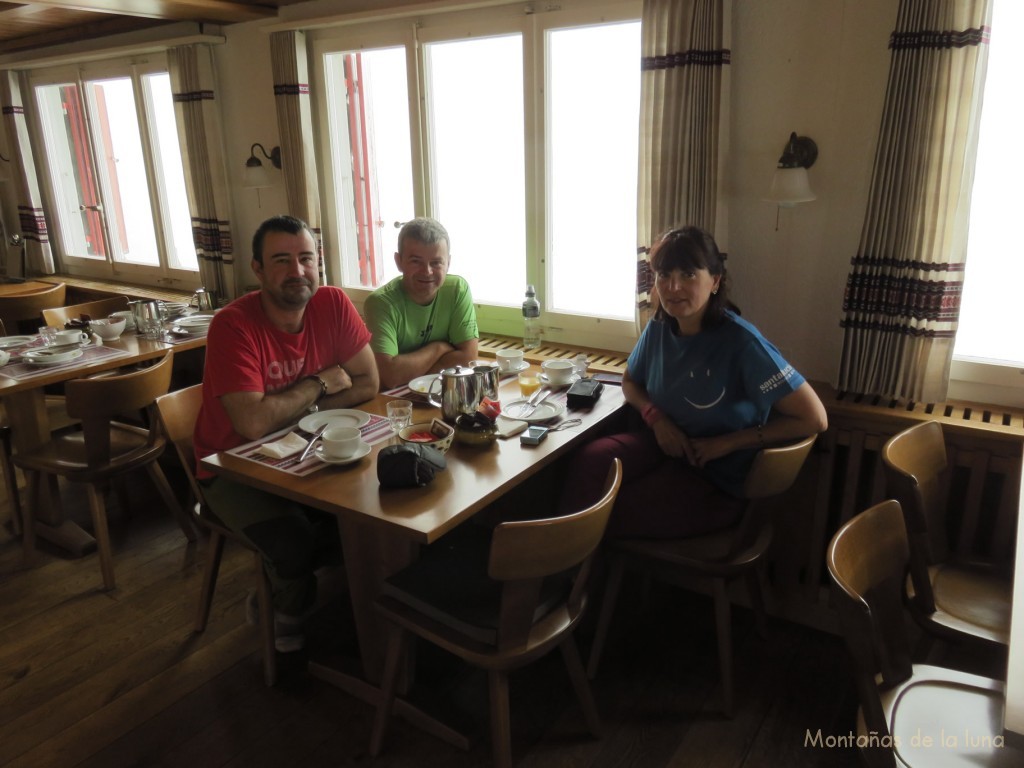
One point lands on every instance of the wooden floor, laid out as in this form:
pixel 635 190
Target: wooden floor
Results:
pixel 119 679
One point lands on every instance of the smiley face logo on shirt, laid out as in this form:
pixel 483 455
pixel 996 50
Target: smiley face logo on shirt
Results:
pixel 702 388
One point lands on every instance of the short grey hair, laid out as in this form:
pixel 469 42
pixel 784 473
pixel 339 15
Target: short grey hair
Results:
pixel 425 230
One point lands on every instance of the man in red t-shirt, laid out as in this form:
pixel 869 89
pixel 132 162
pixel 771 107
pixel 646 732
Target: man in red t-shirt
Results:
pixel 271 357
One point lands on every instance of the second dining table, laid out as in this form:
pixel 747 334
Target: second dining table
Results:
pixel 382 529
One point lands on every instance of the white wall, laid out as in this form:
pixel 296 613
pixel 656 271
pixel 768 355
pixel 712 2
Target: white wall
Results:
pixel 817 67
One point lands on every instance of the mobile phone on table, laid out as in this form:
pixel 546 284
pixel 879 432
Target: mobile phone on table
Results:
pixel 533 435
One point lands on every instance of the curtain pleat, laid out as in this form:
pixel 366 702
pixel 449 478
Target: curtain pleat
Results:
pixel 902 299
pixel 683 77
pixel 193 88
pixel 295 125
pixel 31 219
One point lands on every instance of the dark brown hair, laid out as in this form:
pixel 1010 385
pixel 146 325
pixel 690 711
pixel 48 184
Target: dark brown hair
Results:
pixel 691 248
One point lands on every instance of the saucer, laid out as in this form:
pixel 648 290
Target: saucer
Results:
pixel 523 365
pixel 572 380
pixel 361 451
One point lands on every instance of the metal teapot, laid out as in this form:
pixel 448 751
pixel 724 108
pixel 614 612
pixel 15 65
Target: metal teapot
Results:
pixel 459 392
pixel 204 300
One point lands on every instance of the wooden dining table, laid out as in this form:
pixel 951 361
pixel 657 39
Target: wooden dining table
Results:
pixel 20 288
pixel 25 402
pixel 382 529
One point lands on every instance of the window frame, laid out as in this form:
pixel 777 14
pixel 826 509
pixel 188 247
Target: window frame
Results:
pixel 414 32
pixel 135 68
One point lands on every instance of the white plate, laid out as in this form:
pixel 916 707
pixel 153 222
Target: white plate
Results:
pixel 572 380
pixel 46 357
pixel 6 342
pixel 546 411
pixel 421 384
pixel 339 417
pixel 523 365
pixel 193 321
pixel 362 450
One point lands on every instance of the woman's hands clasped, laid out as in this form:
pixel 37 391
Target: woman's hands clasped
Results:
pixel 697 451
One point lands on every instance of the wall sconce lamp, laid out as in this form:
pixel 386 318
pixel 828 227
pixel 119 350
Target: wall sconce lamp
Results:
pixel 256 175
pixel 790 184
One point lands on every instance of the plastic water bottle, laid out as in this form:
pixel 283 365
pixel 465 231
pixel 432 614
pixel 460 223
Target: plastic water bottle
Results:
pixel 531 319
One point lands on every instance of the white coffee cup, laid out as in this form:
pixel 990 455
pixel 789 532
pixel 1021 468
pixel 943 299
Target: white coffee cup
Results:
pixel 559 372
pixel 340 442
pixel 71 336
pixel 509 359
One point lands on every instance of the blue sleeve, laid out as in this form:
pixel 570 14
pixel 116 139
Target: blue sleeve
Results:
pixel 639 358
pixel 767 376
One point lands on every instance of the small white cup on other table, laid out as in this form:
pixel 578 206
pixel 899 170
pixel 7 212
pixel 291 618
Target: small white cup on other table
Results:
pixel 72 336
pixel 559 372
pixel 509 359
pixel 340 442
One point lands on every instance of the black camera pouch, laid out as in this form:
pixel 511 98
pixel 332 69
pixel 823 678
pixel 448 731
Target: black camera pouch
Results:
pixel 408 466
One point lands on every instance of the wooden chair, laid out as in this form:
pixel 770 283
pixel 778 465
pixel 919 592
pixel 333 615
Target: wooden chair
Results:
pixel 104 449
pixel 499 607
pixel 951 598
pixel 100 308
pixel 903 704
pixel 178 411
pixel 59 420
pixel 23 313
pixel 720 556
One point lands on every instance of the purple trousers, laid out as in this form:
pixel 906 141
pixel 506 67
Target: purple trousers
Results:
pixel 660 497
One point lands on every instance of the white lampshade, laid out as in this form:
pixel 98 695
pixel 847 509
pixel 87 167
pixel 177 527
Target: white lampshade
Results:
pixel 255 175
pixel 790 186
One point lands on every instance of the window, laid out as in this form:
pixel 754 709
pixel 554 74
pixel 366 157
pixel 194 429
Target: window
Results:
pixel 989 345
pixel 507 128
pixel 116 192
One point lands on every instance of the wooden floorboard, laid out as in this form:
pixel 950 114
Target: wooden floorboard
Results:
pixel 93 679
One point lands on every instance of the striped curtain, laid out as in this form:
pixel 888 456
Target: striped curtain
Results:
pixel 31 219
pixel 295 125
pixel 193 89
pixel 683 125
pixel 902 298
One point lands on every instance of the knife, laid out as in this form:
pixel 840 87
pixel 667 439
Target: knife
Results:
pixel 534 402
pixel 312 442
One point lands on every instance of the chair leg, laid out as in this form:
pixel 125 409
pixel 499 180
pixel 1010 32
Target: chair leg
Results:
pixel 756 592
pixel 611 595
pixel 98 509
pixel 501 722
pixel 164 488
pixel 388 688
pixel 10 480
pixel 28 528
pixel 723 624
pixel 210 572
pixel 266 603
pixel 578 676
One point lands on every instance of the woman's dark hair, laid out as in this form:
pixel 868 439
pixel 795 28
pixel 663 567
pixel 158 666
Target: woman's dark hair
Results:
pixel 691 248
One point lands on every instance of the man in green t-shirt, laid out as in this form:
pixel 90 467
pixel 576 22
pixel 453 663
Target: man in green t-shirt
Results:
pixel 424 320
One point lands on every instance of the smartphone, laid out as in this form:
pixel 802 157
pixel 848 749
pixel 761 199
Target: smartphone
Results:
pixel 533 435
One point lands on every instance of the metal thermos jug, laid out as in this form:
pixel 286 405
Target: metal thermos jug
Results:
pixel 459 392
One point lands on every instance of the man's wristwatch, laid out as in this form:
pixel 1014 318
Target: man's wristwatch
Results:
pixel 323 391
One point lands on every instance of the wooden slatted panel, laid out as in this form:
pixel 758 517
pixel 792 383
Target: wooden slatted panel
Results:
pixel 601 360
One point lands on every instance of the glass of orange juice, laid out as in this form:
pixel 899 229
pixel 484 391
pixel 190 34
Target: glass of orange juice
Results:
pixel 529 383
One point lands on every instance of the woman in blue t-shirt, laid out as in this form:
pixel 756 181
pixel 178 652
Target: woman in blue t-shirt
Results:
pixel 711 391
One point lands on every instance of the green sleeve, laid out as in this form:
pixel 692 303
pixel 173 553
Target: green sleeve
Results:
pixel 463 326
pixel 380 319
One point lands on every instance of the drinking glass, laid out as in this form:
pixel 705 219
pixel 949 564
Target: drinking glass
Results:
pixel 529 382
pixel 399 414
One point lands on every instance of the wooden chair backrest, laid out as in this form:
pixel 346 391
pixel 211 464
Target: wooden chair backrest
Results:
pixel 914 461
pixel 867 560
pixel 98 400
pixel 22 313
pixel 178 412
pixel 524 552
pixel 96 310
pixel 775 469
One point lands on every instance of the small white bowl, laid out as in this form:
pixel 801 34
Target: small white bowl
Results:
pixel 127 316
pixel 109 329
pixel 5 357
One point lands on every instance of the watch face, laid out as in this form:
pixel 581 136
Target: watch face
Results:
pixel 313 408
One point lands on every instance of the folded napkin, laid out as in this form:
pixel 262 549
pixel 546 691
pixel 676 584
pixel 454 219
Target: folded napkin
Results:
pixel 286 446
pixel 509 427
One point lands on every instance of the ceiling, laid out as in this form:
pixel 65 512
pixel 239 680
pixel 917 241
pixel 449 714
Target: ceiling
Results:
pixel 26 26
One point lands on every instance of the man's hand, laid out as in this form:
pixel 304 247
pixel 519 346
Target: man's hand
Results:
pixel 336 379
